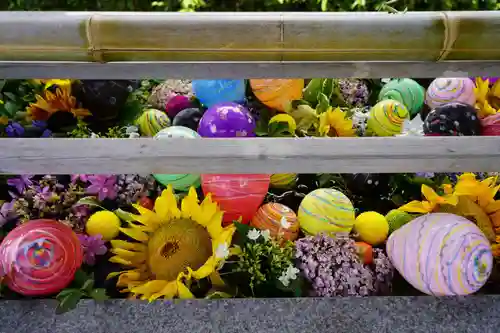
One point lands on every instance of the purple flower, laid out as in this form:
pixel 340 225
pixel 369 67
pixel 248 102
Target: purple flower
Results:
pixel 45 193
pixel 21 183
pixel 425 174
pixel 102 185
pixel 92 246
pixel 39 124
pixel 46 134
pixel 7 212
pixel 75 178
pixel 81 211
pixel 14 130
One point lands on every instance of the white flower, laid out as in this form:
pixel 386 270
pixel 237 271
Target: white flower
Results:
pixel 253 234
pixel 266 234
pixel 284 279
pixel 284 223
pixel 134 135
pixel 131 129
pixel 94 136
pixel 222 251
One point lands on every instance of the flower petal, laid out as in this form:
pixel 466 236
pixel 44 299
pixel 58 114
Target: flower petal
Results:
pixel 149 288
pixel 415 207
pixel 135 234
pixel 168 292
pixel 121 244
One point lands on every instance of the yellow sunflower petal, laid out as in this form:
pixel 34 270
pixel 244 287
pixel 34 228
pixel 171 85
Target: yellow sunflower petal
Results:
pixel 121 261
pixel 183 291
pixel 170 203
pixel 135 234
pixel 121 244
pixel 216 280
pixel 147 217
pixel 208 209
pixel 416 207
pixel 206 269
pixel 189 203
pixel 492 207
pixel 169 291
pixel 149 288
pixel 429 194
pixel 133 257
pixel 214 226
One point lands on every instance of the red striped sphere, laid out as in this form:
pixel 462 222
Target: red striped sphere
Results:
pixel 270 216
pixel 490 125
pixel 40 257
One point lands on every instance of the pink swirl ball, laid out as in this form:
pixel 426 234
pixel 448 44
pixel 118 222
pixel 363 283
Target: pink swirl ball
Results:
pixel 446 90
pixel 441 254
pixel 40 257
pixel 176 104
pixel 237 195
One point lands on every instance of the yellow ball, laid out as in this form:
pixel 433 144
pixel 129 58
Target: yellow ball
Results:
pixel 372 227
pixel 325 210
pixel 104 223
pixel 283 180
pixel 387 118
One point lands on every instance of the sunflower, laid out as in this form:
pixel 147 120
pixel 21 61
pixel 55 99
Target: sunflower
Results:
pixel 334 123
pixel 56 97
pixel 471 198
pixel 487 99
pixel 174 247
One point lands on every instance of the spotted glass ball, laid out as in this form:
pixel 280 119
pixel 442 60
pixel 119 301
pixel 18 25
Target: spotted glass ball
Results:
pixel 452 119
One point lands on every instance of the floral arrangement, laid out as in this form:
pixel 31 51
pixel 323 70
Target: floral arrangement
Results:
pixel 155 237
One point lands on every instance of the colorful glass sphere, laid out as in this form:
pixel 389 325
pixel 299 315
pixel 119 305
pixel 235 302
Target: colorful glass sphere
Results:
pixel 237 195
pixel 446 90
pixel 452 119
pixel 441 254
pixel 406 91
pixel 226 120
pixel 151 121
pixel 490 125
pixel 211 92
pixel 180 182
pixel 326 210
pixel 280 220
pixel 40 257
pixel 276 93
pixel 189 118
pixel 176 104
pixel 386 118
pixel 283 180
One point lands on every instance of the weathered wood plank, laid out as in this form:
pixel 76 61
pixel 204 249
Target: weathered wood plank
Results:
pixel 257 36
pixel 470 314
pixel 238 70
pixel 259 155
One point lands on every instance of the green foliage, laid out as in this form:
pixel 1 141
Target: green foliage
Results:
pixel 260 262
pixel 82 287
pixel 251 5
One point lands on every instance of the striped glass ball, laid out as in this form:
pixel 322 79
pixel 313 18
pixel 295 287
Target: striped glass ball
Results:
pixel 270 217
pixel 151 121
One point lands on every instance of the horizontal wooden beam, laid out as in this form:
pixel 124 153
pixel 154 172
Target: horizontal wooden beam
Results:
pixel 296 315
pixel 249 36
pixel 241 69
pixel 259 155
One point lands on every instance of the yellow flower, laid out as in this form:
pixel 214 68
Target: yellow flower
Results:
pixel 485 97
pixel 285 118
pixel 174 246
pixel 433 200
pixel 333 123
pixel 481 191
pixel 52 102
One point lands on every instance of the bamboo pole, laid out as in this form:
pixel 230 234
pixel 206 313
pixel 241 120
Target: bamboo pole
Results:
pixel 106 36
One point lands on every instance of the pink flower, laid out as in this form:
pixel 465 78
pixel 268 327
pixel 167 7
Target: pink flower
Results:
pixel 75 178
pixel 104 186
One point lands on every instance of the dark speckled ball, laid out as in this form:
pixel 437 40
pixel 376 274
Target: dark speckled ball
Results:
pixel 188 118
pixel 452 119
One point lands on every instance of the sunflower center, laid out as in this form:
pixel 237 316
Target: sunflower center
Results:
pixel 333 132
pixel 176 246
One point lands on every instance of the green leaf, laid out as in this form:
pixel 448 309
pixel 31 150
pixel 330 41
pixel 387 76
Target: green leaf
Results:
pixel 99 294
pixel 242 229
pixel 123 215
pixel 65 292
pixel 88 285
pixel 69 302
pixel 89 201
pixel 11 108
pixel 2 84
pixel 323 103
pixel 80 278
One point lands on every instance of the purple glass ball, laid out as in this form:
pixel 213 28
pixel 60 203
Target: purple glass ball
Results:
pixel 227 120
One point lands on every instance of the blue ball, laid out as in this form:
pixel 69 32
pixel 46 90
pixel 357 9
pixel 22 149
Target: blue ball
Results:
pixel 211 92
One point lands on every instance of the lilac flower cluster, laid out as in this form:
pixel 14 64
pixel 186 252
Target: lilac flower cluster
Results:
pixel 16 130
pixel 333 268
pixel 355 92
pixel 92 246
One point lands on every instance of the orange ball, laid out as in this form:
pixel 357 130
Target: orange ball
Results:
pixel 269 217
pixel 276 93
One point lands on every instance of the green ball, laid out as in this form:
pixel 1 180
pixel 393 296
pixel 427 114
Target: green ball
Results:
pixel 406 91
pixel 180 182
pixel 397 219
